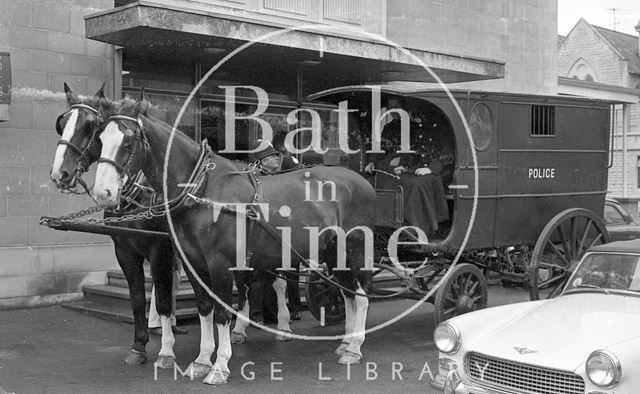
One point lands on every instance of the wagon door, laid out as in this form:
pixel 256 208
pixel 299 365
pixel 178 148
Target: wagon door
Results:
pixel 482 117
pixel 552 156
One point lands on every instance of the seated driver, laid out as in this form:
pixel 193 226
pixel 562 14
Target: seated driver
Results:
pixel 418 173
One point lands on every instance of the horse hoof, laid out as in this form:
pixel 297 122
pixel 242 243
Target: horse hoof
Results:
pixel 342 349
pixel 135 357
pixel 216 377
pixel 198 370
pixel 349 358
pixel 237 338
pixel 165 362
pixel 284 337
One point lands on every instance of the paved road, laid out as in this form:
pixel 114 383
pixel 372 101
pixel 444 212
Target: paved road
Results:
pixel 52 349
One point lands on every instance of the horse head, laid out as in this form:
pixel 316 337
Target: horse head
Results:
pixel 76 127
pixel 123 149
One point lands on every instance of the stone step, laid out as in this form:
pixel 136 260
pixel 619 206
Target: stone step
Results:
pixel 117 278
pixel 113 295
pixel 119 312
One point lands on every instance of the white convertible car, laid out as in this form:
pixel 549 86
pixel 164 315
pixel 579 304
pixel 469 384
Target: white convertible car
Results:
pixel 587 340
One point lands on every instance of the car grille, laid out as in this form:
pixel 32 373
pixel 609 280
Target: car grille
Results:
pixel 508 375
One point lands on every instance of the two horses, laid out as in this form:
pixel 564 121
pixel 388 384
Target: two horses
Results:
pixel 76 150
pixel 208 223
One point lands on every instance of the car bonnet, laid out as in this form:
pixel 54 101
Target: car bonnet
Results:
pixel 562 332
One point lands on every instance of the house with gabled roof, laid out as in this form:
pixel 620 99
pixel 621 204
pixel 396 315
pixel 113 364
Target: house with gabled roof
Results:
pixel 598 62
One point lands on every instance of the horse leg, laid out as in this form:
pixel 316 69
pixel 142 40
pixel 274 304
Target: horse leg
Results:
pixel 220 372
pixel 202 364
pixel 131 262
pixel 239 333
pixel 163 278
pixel 352 353
pixel 222 284
pixel 280 286
pixel 359 304
pixel 349 322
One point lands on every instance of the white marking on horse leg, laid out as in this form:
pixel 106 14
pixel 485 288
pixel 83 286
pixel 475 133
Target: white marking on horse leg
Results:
pixel 108 180
pixel 67 134
pixel 207 341
pixel 353 353
pixel 280 286
pixel 168 340
pixel 349 322
pixel 220 371
pixel 239 334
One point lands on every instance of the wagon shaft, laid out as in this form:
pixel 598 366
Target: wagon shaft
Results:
pixel 103 229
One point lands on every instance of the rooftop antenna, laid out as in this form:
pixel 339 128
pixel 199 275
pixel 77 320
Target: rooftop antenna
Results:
pixel 616 12
pixel 615 22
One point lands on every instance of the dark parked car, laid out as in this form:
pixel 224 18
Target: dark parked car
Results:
pixel 620 225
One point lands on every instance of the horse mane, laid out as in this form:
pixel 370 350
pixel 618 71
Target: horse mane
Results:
pixel 94 101
pixel 167 128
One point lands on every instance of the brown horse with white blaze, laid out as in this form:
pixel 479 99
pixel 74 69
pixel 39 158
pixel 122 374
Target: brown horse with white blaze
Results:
pixel 210 241
pixel 76 151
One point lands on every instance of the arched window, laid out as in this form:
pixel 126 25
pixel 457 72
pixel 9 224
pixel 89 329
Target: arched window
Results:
pixel 581 69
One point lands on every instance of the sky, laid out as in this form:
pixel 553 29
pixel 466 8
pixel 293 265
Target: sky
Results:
pixel 599 13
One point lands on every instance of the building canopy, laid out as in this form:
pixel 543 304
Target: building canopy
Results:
pixel 320 58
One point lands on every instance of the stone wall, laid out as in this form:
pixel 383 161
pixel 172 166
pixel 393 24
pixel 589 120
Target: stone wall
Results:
pixel 523 34
pixel 583 44
pixel 45 39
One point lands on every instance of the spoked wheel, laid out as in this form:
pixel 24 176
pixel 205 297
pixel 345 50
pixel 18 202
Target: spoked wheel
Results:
pixel 322 294
pixel 465 291
pixel 561 245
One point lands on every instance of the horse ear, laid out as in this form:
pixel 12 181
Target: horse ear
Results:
pixel 142 103
pixel 104 106
pixel 72 98
pixel 100 93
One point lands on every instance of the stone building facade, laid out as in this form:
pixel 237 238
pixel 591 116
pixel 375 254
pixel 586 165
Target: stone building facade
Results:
pixel 47 46
pixel 165 46
pixel 607 60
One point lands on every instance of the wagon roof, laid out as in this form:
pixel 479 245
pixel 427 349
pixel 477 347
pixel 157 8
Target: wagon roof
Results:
pixel 632 246
pixel 425 92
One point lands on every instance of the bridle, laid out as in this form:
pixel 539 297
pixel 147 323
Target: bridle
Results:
pixel 140 145
pixel 137 134
pixel 81 153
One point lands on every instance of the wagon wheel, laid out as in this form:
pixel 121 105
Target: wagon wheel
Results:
pixel 464 291
pixel 561 245
pixel 320 294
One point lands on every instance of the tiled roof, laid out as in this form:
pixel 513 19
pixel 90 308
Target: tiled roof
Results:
pixel 626 44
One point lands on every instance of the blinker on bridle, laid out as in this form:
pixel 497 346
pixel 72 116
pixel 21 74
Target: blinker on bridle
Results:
pixel 124 169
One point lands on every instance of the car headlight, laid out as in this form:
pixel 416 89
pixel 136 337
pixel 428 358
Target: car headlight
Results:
pixel 603 368
pixel 447 337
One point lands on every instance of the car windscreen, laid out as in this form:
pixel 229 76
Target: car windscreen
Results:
pixel 607 271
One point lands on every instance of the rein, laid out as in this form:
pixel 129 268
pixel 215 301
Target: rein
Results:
pixel 195 181
pixel 255 217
